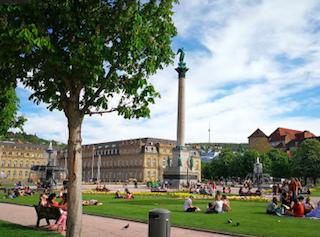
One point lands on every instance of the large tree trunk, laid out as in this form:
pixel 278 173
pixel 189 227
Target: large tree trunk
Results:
pixel 74 220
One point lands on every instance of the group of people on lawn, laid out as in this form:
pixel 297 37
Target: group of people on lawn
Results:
pixel 220 204
pixel 291 204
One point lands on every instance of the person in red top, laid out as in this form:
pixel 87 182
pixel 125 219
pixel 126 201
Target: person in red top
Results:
pixel 297 209
pixel 51 200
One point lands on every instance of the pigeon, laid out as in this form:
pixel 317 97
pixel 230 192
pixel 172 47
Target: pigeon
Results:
pixel 125 227
pixel 230 221
pixel 238 223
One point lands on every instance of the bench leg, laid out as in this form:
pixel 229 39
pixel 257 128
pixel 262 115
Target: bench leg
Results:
pixel 48 222
pixel 38 222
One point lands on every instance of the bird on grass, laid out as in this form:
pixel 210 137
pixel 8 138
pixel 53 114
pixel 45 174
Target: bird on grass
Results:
pixel 125 227
pixel 238 223
pixel 230 221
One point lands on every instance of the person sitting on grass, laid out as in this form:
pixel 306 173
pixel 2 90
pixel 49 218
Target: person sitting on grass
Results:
pixel 188 207
pixel 297 209
pixel 314 213
pixel 308 205
pixel 226 204
pixel 286 200
pixel 217 205
pixel 91 202
pixel 117 194
pixel 128 195
pixel 273 208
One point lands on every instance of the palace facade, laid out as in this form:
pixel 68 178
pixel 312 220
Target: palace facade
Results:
pixel 143 159
pixel 16 159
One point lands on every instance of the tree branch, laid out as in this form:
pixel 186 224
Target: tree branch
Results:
pixel 97 93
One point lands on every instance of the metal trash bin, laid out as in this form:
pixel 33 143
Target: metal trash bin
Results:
pixel 159 223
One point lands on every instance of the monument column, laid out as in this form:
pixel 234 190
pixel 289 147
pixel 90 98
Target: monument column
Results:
pixel 181 105
pixel 179 173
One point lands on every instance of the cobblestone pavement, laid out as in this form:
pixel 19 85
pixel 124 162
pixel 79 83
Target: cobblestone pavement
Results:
pixel 95 226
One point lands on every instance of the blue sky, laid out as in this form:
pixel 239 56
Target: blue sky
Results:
pixel 252 64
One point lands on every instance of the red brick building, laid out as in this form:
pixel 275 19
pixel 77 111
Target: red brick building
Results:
pixel 282 138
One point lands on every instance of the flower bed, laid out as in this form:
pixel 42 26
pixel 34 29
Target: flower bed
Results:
pixel 183 195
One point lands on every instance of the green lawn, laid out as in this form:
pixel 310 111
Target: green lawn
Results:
pixel 316 193
pixel 251 215
pixel 12 230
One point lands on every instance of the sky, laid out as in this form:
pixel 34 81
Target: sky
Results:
pixel 252 64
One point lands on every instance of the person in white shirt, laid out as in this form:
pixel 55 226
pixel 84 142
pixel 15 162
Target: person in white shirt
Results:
pixel 217 205
pixel 188 207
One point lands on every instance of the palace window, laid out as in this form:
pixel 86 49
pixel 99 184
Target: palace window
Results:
pixel 3 163
pixel 20 173
pixel 21 164
pixel 26 173
pixel 14 173
pixel 15 163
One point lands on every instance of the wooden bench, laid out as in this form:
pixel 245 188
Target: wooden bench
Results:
pixel 48 213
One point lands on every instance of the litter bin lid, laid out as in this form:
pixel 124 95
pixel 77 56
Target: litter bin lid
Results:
pixel 160 210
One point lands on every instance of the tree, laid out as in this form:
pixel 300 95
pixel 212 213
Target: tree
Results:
pixel 9 104
pixel 247 161
pixel 306 161
pixel 279 163
pixel 85 58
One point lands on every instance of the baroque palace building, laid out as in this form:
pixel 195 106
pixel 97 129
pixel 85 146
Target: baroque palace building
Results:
pixel 16 159
pixel 143 159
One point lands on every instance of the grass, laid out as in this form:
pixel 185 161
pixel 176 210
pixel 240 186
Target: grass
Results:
pixel 316 193
pixel 251 215
pixel 13 230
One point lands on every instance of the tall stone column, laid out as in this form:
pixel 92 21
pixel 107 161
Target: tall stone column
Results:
pixel 181 106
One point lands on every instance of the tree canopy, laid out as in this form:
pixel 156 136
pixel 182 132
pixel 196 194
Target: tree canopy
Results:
pixel 9 104
pixel 306 160
pixel 86 57
pixel 238 164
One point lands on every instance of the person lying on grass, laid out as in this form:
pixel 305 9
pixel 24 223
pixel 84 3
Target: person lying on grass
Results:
pixel 91 202
pixel 217 205
pixel 188 207
pixel 315 213
pixel 308 205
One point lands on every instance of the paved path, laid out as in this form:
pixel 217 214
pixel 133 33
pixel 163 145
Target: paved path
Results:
pixel 94 226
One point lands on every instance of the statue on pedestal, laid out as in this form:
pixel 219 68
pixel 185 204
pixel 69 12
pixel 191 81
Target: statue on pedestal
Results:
pixel 181 64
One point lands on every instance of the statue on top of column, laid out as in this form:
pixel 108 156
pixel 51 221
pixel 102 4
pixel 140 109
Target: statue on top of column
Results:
pixel 181 64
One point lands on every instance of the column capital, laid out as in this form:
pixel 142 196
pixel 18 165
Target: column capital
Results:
pixel 182 71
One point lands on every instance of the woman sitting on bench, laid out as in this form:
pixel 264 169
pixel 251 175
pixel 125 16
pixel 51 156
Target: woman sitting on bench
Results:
pixel 61 223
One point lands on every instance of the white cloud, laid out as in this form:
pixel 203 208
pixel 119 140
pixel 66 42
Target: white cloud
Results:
pixel 246 78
